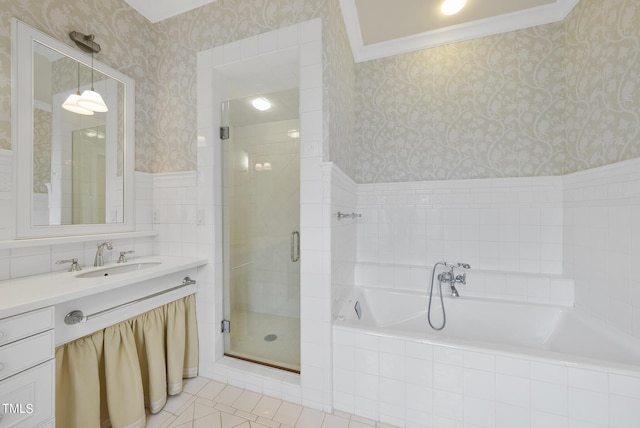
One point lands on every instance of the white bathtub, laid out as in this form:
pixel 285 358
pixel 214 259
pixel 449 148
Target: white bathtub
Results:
pixel 541 351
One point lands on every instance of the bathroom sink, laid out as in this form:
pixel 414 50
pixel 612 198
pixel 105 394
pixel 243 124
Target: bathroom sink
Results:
pixel 116 270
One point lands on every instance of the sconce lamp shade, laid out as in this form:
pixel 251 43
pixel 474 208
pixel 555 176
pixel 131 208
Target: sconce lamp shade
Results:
pixel 71 104
pixel 91 100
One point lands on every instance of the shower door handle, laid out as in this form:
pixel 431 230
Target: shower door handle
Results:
pixel 295 246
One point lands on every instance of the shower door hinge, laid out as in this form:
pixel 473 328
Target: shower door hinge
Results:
pixel 225 326
pixel 224 132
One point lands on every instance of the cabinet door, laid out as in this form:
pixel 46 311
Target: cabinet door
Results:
pixel 27 399
pixel 23 325
pixel 25 353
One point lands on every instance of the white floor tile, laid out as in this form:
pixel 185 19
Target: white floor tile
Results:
pixel 211 421
pixel 201 410
pixel 160 420
pixel 288 413
pixel 246 401
pixel 230 421
pixel 211 390
pixel 177 403
pixel 228 395
pixel 217 405
pixel 310 418
pixel 185 417
pixel 193 386
pixel 267 407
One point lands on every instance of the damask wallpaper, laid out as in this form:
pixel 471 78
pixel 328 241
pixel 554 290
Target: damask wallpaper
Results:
pixel 225 21
pixel 602 68
pixel 162 60
pixel 490 107
pixel 546 100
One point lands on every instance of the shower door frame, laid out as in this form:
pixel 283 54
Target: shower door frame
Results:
pixel 313 387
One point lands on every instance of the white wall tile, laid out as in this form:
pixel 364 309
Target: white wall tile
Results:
pixel 588 406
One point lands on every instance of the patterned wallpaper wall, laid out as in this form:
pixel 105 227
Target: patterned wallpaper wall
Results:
pixel 162 60
pixel 542 101
pixel 602 67
pixel 546 100
pixel 224 21
pixel 490 107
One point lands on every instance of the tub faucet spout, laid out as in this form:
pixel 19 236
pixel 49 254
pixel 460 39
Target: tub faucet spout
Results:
pixel 454 291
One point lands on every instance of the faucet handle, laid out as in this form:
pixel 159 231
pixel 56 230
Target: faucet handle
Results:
pixel 122 258
pixel 74 264
pixel 462 279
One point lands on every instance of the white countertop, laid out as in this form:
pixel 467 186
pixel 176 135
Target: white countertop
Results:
pixel 33 292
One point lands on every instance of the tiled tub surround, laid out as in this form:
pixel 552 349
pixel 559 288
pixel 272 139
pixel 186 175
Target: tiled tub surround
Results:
pixel 504 224
pixel 533 367
pixel 602 242
pixel 510 230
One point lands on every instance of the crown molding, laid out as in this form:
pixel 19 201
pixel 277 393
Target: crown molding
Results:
pixel 540 15
pixel 159 10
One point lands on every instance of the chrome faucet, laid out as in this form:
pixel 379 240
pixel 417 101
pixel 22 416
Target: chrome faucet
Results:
pixel 98 261
pixel 452 278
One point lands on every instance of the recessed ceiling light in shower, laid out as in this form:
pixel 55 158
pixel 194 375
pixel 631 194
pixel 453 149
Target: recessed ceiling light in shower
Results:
pixel 261 103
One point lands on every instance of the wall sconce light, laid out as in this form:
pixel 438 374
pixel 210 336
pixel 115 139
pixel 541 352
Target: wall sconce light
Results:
pixel 90 99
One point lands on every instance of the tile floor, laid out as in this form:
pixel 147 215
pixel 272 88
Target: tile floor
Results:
pixel 209 404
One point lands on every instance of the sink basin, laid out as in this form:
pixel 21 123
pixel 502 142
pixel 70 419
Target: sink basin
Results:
pixel 116 270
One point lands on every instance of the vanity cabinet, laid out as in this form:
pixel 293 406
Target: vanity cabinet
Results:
pixel 27 369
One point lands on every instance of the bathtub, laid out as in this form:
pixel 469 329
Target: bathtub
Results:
pixel 496 363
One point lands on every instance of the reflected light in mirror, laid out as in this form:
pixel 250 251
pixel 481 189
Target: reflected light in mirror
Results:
pixel 261 103
pixel 91 100
pixel 71 104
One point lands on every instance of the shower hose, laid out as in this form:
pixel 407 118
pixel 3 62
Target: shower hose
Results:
pixel 444 314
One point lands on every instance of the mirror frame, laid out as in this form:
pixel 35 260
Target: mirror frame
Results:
pixel 22 101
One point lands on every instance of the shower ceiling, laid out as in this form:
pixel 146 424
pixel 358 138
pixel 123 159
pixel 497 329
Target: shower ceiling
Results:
pixel 380 28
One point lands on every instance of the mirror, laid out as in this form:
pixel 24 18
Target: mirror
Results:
pixel 74 171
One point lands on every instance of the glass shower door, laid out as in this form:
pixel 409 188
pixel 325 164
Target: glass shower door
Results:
pixel 261 223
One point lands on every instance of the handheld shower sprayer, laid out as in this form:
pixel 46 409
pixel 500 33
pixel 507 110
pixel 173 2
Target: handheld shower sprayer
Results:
pixel 446 276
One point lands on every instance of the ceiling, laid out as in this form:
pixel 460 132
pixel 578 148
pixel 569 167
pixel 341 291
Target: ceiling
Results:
pixel 381 28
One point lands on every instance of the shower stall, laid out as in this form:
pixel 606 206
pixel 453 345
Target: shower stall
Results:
pixel 261 224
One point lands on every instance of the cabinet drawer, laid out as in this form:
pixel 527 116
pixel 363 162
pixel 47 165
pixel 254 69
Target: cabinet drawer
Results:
pixel 27 399
pixel 21 355
pixel 27 324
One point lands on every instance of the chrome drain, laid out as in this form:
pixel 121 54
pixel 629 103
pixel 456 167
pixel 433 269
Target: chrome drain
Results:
pixel 270 337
